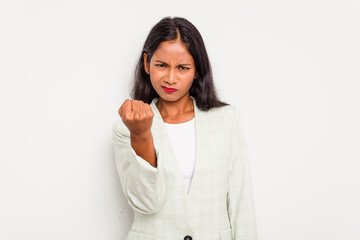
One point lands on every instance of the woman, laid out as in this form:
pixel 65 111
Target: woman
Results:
pixel 180 152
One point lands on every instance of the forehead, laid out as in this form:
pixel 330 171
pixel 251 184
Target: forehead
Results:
pixel 172 51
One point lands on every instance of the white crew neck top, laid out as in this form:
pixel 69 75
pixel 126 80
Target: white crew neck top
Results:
pixel 183 141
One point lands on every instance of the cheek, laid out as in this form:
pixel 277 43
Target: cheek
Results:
pixel 190 83
pixel 189 80
pixel 154 83
pixel 190 77
pixel 156 75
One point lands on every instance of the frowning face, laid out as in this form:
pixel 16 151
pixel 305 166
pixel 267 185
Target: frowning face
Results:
pixel 172 70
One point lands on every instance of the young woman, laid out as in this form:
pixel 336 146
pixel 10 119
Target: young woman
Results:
pixel 180 152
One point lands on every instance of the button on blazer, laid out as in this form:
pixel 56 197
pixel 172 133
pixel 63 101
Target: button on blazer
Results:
pixel 220 202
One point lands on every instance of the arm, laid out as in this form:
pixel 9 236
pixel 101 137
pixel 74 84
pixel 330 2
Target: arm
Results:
pixel 143 145
pixel 240 196
pixel 142 184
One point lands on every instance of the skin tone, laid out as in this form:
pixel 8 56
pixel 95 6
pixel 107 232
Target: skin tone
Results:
pixel 172 66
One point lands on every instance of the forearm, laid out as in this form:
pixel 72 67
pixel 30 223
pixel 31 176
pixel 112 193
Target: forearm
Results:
pixel 143 145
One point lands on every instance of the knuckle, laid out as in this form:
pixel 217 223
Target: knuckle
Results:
pixel 137 116
pixel 128 116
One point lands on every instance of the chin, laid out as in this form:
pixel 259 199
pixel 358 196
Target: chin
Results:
pixel 169 98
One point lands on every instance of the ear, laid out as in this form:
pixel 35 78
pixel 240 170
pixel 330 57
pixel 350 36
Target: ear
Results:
pixel 196 75
pixel 146 66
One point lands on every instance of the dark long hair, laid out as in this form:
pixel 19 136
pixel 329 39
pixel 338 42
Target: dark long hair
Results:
pixel 203 88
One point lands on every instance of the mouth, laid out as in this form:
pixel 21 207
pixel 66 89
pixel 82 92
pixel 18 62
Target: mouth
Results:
pixel 169 90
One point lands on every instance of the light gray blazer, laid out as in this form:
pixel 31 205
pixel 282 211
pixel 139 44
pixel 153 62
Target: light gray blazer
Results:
pixel 220 201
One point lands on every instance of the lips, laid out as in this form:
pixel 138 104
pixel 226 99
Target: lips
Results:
pixel 169 90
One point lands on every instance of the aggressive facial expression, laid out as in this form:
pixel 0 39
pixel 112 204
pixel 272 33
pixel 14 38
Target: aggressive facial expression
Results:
pixel 172 70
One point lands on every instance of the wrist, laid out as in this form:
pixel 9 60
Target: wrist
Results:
pixel 143 136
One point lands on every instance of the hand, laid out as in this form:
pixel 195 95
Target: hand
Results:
pixel 137 116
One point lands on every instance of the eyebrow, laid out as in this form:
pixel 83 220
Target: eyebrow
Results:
pixel 167 64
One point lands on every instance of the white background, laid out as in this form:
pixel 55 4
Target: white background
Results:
pixel 292 68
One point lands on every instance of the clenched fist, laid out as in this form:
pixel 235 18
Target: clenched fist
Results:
pixel 137 116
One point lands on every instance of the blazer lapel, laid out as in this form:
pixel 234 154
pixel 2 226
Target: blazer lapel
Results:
pixel 162 141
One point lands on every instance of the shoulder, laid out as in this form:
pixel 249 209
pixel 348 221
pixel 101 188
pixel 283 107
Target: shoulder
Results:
pixel 228 118
pixel 219 120
pixel 226 113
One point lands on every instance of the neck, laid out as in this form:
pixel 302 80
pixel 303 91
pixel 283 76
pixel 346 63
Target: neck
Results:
pixel 175 109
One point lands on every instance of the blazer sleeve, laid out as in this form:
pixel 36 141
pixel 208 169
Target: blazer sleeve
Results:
pixel 240 203
pixel 142 184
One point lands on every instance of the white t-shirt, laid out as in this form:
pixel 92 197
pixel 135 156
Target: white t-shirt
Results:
pixel 182 136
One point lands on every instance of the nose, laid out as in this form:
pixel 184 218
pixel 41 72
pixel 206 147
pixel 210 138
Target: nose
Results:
pixel 171 78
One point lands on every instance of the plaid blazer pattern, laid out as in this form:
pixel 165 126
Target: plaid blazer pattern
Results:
pixel 220 202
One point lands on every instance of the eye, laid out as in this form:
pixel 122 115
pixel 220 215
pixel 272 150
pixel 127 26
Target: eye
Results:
pixel 183 68
pixel 160 65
